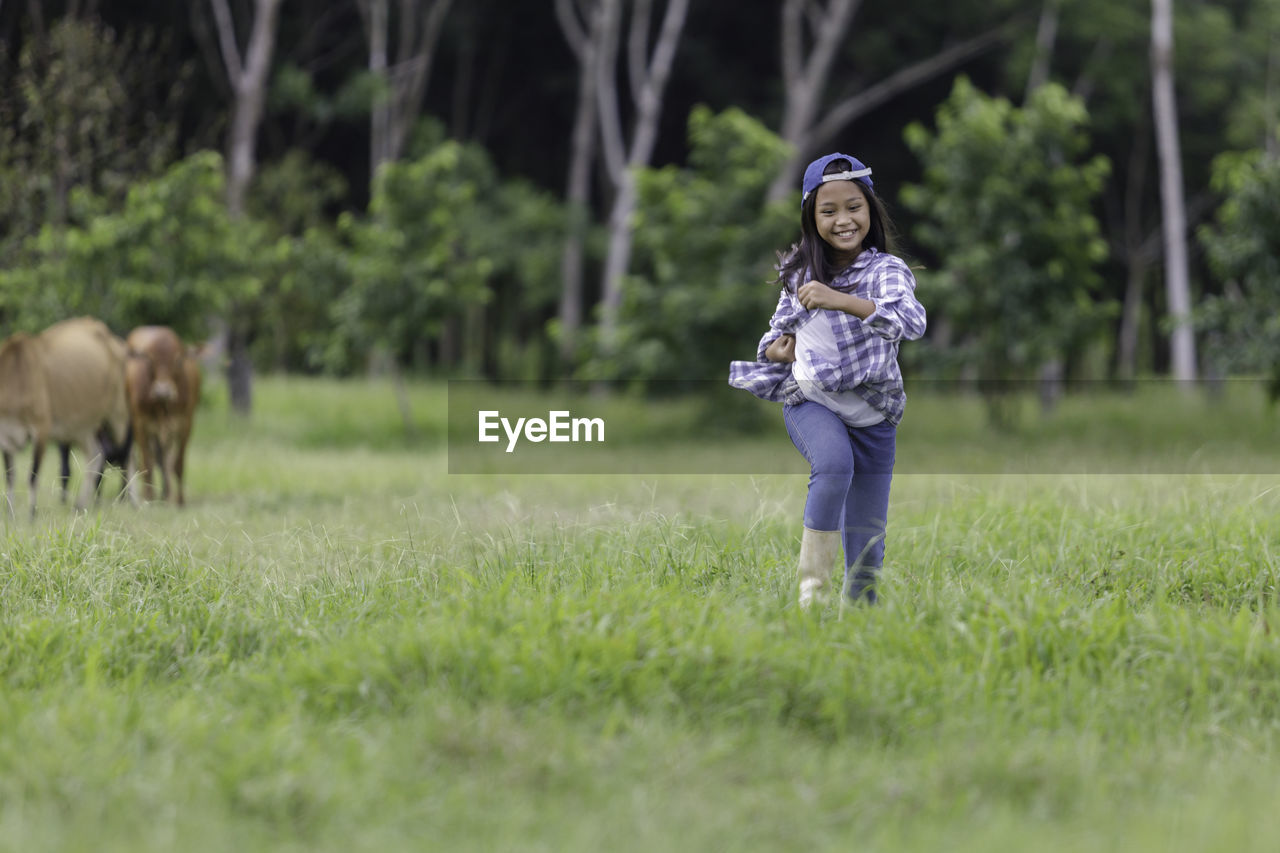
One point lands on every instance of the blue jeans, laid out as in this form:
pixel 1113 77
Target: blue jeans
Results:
pixel 850 470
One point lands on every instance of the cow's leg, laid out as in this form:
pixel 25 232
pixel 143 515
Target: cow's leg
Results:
pixel 37 453
pixel 64 472
pixel 8 481
pixel 140 464
pixel 180 463
pixel 164 461
pixel 115 452
pixel 131 475
pixel 123 458
pixel 92 471
pixel 102 441
pixel 147 449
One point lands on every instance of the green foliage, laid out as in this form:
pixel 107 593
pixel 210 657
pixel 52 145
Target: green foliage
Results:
pixel 295 197
pixel 522 234
pixel 1243 249
pixel 444 235
pixel 1253 74
pixel 79 113
pixel 1005 207
pixel 294 89
pixel 169 255
pixel 704 250
pixel 414 261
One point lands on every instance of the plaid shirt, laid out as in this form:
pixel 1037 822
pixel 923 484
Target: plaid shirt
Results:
pixel 868 363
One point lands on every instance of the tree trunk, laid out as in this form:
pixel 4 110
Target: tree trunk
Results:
pixel 585 42
pixel 648 93
pixel 1182 344
pixel 380 113
pixel 248 77
pixel 239 367
pixel 835 118
pixel 416 31
pixel 1137 255
pixel 618 256
pixel 1046 36
pixel 805 70
pixel 1052 372
pixel 1130 321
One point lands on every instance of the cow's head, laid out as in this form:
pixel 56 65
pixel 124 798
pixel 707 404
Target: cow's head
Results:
pixel 160 355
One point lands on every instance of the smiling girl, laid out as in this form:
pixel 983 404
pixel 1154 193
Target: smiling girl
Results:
pixel 831 357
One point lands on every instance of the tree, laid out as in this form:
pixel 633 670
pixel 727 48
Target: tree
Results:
pixel 1046 36
pixel 1177 277
pixel 291 197
pixel 1243 248
pixel 812 31
pixel 704 257
pixel 582 22
pixel 1102 54
pixel 84 111
pixel 412 37
pixel 434 249
pixel 412 262
pixel 1005 207
pixel 170 254
pixel 648 70
pixel 247 71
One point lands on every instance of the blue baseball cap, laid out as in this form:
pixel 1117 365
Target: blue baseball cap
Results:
pixel 813 177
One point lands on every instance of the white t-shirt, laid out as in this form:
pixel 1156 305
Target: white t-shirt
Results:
pixel 817 337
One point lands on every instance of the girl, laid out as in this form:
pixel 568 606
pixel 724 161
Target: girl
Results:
pixel 831 357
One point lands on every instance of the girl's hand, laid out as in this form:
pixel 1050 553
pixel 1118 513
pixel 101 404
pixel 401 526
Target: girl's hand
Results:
pixel 783 349
pixel 815 294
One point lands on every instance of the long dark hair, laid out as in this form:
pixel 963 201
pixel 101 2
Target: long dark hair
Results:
pixel 811 257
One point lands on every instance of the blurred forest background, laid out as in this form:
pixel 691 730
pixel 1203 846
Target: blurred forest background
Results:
pixel 595 189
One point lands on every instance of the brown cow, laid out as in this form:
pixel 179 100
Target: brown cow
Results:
pixel 162 381
pixel 62 385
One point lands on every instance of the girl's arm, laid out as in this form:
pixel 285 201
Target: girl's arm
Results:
pixel 815 294
pixel 786 310
pixel 895 314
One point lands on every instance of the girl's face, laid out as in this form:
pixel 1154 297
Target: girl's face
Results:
pixel 843 218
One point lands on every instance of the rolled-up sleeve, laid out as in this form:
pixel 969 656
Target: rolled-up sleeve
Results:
pixel 898 315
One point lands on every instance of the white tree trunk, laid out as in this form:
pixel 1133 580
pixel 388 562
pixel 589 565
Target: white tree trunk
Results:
pixel 648 93
pixel 584 38
pixel 1182 344
pixel 805 71
pixel 248 78
pixel 376 17
pixel 416 30
pixel 807 123
pixel 1046 36
pixel 247 73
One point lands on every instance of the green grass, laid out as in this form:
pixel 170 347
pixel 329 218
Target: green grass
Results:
pixel 339 646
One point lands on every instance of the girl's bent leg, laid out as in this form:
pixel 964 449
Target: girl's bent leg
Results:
pixel 823 439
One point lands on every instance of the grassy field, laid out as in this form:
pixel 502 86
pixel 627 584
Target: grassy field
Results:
pixel 339 646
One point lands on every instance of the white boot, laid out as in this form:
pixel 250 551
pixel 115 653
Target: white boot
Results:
pixel 818 550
